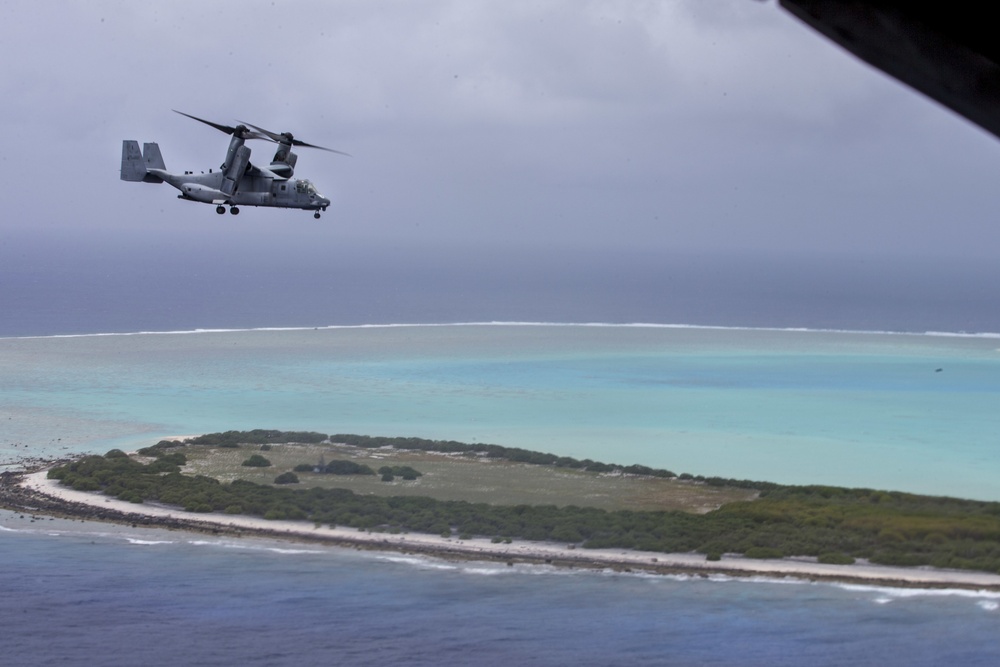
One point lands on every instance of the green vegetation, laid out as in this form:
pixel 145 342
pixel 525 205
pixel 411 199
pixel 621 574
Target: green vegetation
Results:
pixel 469 478
pixel 256 461
pixel 233 439
pixel 160 448
pixel 287 478
pixel 514 454
pixel 255 437
pixel 828 523
pixel 341 467
pixel 389 473
pixel 836 558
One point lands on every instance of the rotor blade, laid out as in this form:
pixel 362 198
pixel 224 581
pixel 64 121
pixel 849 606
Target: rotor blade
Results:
pixel 287 137
pixel 296 142
pixel 274 136
pixel 222 128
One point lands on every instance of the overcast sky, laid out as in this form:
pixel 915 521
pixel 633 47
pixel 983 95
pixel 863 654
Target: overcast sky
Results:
pixel 687 125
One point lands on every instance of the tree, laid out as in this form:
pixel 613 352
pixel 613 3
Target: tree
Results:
pixel 257 461
pixel 287 478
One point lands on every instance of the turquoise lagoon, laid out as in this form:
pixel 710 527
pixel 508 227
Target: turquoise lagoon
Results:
pixel 912 412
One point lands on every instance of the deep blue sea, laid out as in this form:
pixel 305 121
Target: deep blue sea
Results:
pixel 785 369
pixel 107 595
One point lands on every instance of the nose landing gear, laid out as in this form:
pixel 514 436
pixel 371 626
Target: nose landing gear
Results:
pixel 316 215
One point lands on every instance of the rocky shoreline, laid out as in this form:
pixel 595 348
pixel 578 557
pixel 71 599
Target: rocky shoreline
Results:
pixel 30 492
pixel 19 497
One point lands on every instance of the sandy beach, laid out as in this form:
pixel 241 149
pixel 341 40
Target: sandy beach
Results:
pixel 113 509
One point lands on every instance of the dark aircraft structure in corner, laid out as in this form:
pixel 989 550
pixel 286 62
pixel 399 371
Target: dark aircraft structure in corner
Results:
pixel 947 51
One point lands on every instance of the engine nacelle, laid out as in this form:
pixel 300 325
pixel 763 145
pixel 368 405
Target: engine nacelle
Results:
pixel 283 163
pixel 234 172
pixel 203 193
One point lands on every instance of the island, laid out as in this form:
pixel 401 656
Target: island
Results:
pixel 457 500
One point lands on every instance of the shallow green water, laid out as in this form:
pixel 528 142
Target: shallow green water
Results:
pixel 911 412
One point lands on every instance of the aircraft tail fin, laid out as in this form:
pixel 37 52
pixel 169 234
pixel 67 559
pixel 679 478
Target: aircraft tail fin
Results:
pixel 133 168
pixel 136 165
pixel 151 155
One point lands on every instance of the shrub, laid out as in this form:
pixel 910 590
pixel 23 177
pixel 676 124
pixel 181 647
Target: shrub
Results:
pixel 257 461
pixel 836 558
pixel 409 474
pixel 131 496
pixel 177 458
pixel 339 467
pixel 160 447
pixel 763 552
pixel 287 478
pixel 406 472
pixel 566 533
pixel 86 484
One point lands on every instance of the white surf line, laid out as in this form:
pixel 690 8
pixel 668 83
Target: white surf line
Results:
pixel 501 323
pixel 540 551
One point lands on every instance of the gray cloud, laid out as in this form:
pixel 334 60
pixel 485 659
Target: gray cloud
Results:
pixel 622 125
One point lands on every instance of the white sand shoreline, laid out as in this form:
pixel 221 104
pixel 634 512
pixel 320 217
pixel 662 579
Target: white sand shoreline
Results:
pixel 540 552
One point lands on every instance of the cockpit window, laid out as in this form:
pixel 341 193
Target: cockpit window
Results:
pixel 305 187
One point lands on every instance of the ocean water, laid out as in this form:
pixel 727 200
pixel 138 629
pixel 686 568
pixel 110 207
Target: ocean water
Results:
pixel 901 412
pixel 784 385
pixel 77 592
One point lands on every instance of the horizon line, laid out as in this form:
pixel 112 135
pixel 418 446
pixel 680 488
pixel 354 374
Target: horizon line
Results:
pixel 499 323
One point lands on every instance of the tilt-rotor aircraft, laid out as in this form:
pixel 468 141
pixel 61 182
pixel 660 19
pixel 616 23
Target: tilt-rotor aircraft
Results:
pixel 237 182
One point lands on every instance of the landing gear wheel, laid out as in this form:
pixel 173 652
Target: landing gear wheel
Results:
pixel 220 209
pixel 316 215
pixel 234 210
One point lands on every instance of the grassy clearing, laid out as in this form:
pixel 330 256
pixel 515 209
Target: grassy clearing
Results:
pixel 461 477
